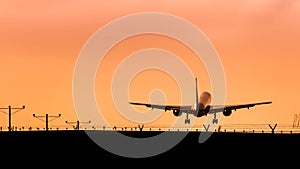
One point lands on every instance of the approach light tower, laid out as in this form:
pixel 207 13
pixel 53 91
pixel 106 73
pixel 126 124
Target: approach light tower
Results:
pixel 77 124
pixel 47 118
pixel 11 113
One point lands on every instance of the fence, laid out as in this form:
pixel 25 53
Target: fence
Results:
pixel 245 128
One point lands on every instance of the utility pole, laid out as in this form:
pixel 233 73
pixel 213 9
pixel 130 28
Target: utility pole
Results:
pixel 77 124
pixel 11 113
pixel 47 119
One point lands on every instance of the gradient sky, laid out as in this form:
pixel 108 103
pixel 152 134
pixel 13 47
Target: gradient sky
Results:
pixel 257 42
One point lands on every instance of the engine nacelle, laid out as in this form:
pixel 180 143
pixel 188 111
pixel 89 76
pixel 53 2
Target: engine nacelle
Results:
pixel 227 112
pixel 177 113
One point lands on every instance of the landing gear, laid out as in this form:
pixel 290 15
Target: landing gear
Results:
pixel 215 120
pixel 187 120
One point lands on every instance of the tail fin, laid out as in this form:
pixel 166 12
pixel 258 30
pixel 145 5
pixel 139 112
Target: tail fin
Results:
pixel 196 106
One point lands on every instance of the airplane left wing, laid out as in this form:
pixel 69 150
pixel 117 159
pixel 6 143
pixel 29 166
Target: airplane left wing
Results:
pixel 165 107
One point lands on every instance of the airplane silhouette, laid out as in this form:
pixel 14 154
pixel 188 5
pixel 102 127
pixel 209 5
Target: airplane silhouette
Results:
pixel 201 107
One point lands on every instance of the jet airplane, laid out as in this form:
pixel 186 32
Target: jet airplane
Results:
pixel 201 107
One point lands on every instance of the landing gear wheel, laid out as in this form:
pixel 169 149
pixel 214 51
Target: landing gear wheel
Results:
pixel 215 121
pixel 187 121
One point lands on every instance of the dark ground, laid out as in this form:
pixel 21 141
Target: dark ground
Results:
pixel 75 145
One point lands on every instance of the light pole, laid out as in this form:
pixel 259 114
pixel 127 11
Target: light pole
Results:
pixel 47 118
pixel 77 124
pixel 11 113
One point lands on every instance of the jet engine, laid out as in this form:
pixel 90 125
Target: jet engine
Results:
pixel 227 112
pixel 177 112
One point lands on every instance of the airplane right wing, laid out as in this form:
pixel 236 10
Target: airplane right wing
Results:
pixel 227 109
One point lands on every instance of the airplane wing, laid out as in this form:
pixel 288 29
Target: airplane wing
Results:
pixel 187 109
pixel 214 109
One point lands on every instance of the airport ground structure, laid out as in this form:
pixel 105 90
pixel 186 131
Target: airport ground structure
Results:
pixel 239 128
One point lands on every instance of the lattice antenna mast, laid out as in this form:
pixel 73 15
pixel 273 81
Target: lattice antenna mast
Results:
pixel 10 113
pixel 296 120
pixel 46 119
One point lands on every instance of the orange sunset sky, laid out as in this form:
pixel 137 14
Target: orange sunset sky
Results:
pixel 257 42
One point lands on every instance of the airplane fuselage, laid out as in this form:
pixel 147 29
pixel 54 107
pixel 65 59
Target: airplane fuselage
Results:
pixel 203 107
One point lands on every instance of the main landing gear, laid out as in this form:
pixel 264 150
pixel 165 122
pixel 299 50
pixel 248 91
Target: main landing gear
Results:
pixel 187 120
pixel 215 120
